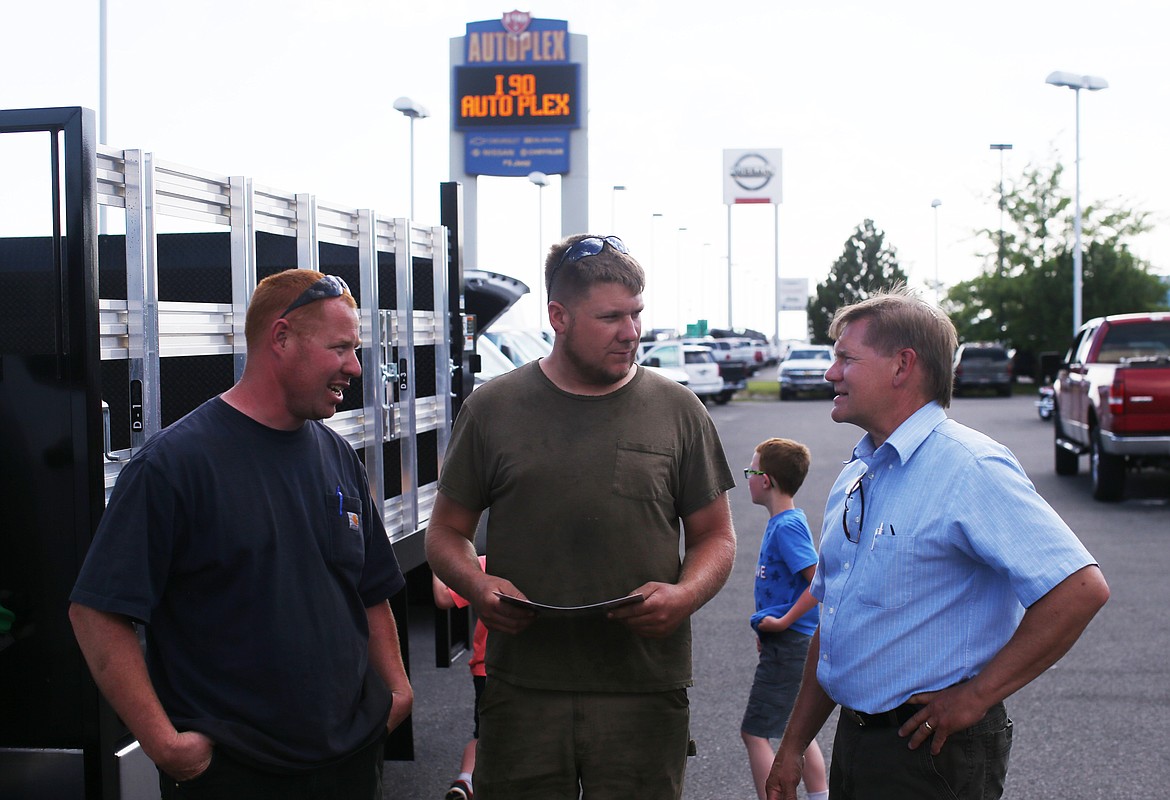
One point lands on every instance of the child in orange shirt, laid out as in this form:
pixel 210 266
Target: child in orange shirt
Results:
pixel 445 597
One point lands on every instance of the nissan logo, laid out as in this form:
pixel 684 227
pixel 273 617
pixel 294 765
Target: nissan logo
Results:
pixel 752 172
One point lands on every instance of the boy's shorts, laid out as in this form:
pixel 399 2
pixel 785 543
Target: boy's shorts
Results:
pixel 478 681
pixel 777 681
pixel 550 745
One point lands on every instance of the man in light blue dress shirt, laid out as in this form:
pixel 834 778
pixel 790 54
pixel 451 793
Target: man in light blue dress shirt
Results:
pixel 947 583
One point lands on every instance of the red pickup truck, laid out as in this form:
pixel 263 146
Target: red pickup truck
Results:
pixel 1112 400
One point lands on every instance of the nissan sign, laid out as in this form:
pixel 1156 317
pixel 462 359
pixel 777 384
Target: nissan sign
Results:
pixel 751 176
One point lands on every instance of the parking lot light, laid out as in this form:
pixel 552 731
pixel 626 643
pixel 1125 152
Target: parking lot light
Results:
pixel 1077 82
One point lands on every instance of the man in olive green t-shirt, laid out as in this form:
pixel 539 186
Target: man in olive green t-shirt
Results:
pixel 588 465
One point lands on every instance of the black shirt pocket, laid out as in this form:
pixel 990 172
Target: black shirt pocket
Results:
pixel 347 545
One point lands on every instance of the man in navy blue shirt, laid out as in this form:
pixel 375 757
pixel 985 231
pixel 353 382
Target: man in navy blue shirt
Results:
pixel 244 539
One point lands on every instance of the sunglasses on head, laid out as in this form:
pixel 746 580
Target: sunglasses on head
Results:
pixel 590 246
pixel 329 286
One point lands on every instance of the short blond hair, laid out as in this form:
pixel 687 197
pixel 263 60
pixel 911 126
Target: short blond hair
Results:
pixel 900 319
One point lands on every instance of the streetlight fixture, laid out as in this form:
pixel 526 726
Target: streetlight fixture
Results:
pixel 1077 82
pixel 613 209
pixel 1002 252
pixel 414 111
pixel 935 203
pixel 541 181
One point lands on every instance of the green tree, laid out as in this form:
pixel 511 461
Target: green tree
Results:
pixel 1028 304
pixel 868 265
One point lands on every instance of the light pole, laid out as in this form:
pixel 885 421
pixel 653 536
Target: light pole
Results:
pixel 678 279
pixel 656 295
pixel 613 209
pixel 1000 322
pixel 541 181
pixel 935 203
pixel 1076 83
pixel 414 111
pixel 700 311
pixel 1002 203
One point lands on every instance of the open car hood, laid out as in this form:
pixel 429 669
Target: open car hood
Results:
pixel 488 295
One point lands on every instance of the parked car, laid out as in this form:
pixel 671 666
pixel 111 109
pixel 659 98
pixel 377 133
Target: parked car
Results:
pixel 722 348
pixel 655 335
pixel 679 376
pixel 1112 400
pixel 703 375
pixel 745 350
pixel 488 295
pixel 737 348
pixel 734 380
pixel 764 352
pixel 732 367
pixel 749 346
pixel 519 346
pixel 983 365
pixel 803 371
pixel 492 362
pixel 727 350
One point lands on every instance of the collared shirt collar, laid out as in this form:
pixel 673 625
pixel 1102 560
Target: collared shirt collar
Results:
pixel 905 439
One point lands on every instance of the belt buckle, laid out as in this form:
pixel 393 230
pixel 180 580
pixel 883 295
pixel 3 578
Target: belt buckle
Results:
pixel 856 717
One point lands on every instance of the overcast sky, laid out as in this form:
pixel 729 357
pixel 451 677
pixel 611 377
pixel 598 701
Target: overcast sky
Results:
pixel 879 109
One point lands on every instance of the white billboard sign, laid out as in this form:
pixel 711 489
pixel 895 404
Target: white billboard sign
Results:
pixel 792 294
pixel 751 176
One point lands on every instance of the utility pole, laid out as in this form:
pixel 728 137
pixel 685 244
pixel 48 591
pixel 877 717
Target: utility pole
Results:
pixel 1000 322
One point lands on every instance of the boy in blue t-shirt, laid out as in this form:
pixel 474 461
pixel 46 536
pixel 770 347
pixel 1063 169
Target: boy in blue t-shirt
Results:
pixel 786 614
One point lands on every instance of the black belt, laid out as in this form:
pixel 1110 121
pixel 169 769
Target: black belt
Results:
pixel 894 718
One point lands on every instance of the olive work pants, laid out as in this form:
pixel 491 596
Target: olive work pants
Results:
pixel 551 745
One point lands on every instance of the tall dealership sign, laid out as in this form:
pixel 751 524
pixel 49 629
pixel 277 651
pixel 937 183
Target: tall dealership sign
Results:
pixel 518 106
pixel 753 176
